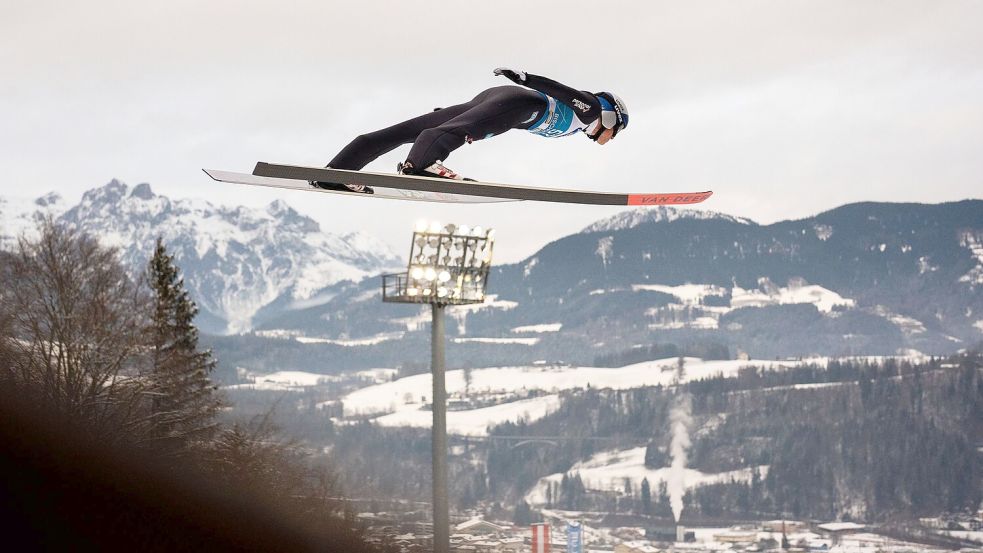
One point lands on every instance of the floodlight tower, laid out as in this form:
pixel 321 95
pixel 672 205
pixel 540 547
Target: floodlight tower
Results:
pixel 448 265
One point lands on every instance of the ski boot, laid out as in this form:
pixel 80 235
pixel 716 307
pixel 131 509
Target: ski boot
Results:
pixel 436 170
pixel 358 188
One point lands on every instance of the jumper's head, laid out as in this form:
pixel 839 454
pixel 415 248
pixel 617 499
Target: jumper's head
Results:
pixel 614 118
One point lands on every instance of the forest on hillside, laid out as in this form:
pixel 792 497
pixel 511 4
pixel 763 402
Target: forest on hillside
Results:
pixel 854 439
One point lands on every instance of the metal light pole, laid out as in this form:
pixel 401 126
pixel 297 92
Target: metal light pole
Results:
pixel 448 265
pixel 438 441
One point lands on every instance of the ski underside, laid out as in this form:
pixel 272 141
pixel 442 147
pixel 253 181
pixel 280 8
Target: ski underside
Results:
pixel 429 189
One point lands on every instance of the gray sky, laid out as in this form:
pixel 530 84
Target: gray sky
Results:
pixel 784 108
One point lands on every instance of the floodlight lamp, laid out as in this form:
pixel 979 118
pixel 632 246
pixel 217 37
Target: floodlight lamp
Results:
pixel 444 276
pixel 416 273
pixel 430 273
pixel 490 234
pixel 412 291
pixel 421 259
pixel 450 228
pixel 421 225
pixel 477 278
pixel 426 291
pixel 476 231
pixel 463 230
pixel 441 292
pixel 435 227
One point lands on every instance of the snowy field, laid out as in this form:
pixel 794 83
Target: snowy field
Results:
pixel 539 329
pixel 689 294
pixel 824 299
pixel 368 341
pixel 401 401
pixel 976 536
pixel 280 381
pixel 514 341
pixel 767 294
pixel 690 298
pixel 475 422
pixel 609 470
pixel 296 381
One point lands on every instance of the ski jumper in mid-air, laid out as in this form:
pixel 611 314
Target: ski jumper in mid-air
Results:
pixel 541 106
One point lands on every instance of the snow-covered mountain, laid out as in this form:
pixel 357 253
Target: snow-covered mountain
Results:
pixel 19 215
pixel 236 261
pixel 658 214
pixel 870 278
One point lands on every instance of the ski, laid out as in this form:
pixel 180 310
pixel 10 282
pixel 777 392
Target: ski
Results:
pixel 453 188
pixel 380 192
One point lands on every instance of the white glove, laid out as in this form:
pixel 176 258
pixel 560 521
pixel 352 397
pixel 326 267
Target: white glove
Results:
pixel 517 77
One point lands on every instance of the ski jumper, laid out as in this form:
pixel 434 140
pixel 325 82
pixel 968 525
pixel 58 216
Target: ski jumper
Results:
pixel 550 109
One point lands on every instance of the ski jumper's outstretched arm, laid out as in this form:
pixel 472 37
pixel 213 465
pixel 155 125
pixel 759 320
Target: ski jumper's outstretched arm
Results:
pixel 587 106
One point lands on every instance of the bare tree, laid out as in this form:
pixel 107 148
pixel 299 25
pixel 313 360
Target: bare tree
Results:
pixel 254 455
pixel 75 320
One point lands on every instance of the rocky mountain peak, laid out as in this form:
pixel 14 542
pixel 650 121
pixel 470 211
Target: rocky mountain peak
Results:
pixel 142 191
pixel 49 199
pixel 111 192
pixel 290 218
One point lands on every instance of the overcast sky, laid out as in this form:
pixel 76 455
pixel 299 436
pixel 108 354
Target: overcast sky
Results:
pixel 784 108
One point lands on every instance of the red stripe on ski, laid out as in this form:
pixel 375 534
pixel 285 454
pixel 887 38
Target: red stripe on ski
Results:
pixel 668 199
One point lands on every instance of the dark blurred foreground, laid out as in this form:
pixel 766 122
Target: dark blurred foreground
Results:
pixel 61 491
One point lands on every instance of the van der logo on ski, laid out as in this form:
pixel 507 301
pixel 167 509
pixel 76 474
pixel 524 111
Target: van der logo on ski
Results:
pixel 667 199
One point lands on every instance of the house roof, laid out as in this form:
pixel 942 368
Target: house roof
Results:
pixel 479 524
pixel 841 526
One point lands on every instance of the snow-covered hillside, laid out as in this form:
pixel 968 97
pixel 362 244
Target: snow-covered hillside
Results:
pixel 235 260
pixel 690 312
pixel 610 470
pixel 657 214
pixel 527 392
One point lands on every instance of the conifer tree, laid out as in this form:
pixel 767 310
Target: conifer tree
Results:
pixel 184 401
pixel 524 514
pixel 646 497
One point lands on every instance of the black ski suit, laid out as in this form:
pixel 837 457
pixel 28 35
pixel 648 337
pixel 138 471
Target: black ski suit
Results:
pixel 550 109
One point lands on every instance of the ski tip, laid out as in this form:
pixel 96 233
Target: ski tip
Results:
pixel 680 198
pixel 207 172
